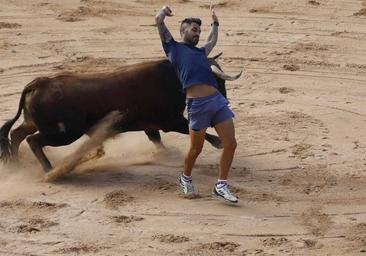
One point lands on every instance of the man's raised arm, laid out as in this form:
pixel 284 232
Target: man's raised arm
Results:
pixel 212 37
pixel 164 33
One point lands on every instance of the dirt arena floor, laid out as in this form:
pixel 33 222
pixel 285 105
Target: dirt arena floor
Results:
pixel 300 166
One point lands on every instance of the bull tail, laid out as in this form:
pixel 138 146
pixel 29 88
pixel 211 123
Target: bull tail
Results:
pixel 5 144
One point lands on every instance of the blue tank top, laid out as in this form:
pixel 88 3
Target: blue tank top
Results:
pixel 190 63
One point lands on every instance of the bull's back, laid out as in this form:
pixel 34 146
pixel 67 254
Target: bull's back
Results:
pixel 147 93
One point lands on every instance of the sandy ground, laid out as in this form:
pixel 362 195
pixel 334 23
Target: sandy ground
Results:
pixel 300 111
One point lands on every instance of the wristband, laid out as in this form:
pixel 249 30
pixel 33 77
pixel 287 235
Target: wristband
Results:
pixel 215 23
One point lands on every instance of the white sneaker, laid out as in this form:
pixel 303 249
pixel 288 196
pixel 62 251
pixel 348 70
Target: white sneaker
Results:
pixel 187 186
pixel 224 193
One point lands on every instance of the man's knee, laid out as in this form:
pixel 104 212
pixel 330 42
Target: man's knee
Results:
pixel 230 144
pixel 196 150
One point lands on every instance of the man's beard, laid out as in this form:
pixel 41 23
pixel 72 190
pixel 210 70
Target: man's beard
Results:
pixel 194 41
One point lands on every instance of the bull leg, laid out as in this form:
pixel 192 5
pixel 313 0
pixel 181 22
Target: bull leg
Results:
pixel 182 127
pixel 18 135
pixel 154 136
pixel 95 154
pixel 98 153
pixel 214 140
pixel 36 143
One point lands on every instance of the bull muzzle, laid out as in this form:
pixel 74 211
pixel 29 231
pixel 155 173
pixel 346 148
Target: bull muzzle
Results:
pixel 224 76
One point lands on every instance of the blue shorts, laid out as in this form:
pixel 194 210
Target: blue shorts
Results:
pixel 208 111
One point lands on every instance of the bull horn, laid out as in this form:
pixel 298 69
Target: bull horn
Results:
pixel 224 76
pixel 218 55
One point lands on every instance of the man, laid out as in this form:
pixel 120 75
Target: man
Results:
pixel 205 104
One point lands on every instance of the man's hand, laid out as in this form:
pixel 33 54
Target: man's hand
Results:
pixel 167 11
pixel 164 11
pixel 213 14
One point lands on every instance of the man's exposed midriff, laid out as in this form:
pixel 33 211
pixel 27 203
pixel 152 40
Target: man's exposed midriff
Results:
pixel 200 90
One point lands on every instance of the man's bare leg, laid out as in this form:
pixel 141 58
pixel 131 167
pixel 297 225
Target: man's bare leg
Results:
pixel 226 132
pixel 197 141
pixel 185 179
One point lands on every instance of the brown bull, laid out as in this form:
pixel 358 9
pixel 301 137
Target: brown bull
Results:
pixel 59 110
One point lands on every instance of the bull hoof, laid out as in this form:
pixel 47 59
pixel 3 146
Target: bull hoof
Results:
pixel 219 145
pixel 51 175
pixel 5 158
pixel 46 168
pixel 160 146
pixel 47 178
pixel 99 153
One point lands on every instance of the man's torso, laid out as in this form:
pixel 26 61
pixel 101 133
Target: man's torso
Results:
pixel 192 68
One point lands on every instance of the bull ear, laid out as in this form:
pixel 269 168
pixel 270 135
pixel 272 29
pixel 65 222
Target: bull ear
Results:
pixel 218 55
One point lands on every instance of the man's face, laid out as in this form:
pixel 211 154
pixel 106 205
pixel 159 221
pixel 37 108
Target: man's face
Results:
pixel 191 33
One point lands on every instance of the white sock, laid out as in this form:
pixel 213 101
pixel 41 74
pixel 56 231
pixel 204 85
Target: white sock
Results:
pixel 221 183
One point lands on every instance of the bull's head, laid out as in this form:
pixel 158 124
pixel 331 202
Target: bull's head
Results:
pixel 221 77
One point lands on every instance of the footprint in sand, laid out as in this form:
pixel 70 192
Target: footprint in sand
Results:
pixel 312 2
pixel 79 249
pixel 357 235
pixel 9 25
pixel 291 67
pixel 317 222
pixel 257 252
pixel 285 90
pixel 161 186
pixel 217 246
pixel 116 199
pixel 125 219
pixel 361 12
pixel 27 207
pixel 34 224
pixel 275 241
pixel 302 150
pixel 169 238
pixel 312 46
pixel 311 244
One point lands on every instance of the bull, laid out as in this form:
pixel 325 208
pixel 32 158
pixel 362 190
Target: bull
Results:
pixel 59 110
